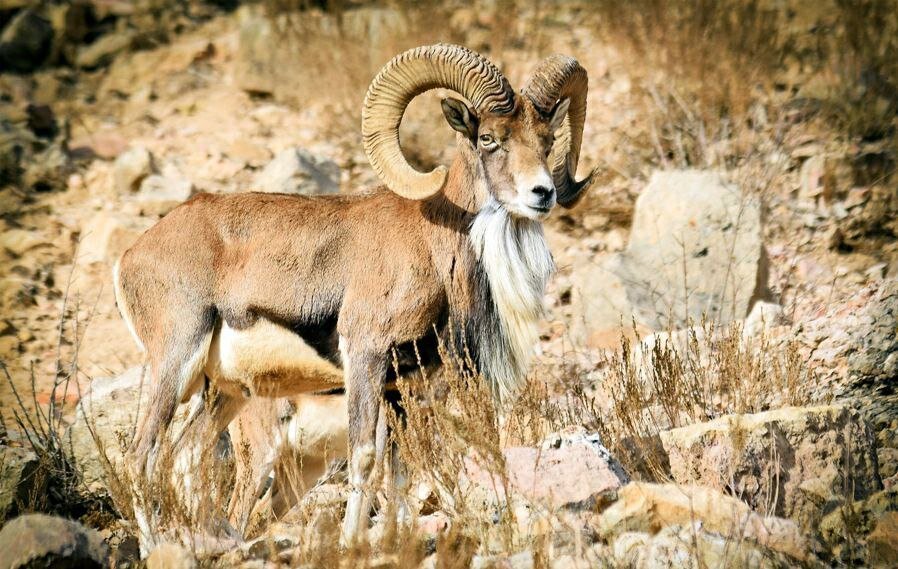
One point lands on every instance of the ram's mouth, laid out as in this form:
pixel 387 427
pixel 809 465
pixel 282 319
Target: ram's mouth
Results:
pixel 535 212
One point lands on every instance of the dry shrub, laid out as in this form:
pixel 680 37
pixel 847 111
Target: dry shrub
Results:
pixel 855 60
pixel 680 378
pixel 58 485
pixel 451 427
pixel 718 52
pixel 717 84
pixel 699 71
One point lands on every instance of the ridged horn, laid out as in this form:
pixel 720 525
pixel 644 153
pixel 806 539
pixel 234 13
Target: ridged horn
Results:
pixel 558 77
pixel 405 77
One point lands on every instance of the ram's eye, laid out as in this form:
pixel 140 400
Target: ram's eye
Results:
pixel 487 141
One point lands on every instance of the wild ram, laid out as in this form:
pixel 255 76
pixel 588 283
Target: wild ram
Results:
pixel 230 290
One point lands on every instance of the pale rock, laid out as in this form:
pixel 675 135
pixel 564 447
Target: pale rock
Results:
pixel 296 171
pixel 595 555
pixel 601 310
pixel 159 194
pixel 75 183
pixel 627 546
pixel 646 508
pixel 109 409
pixel 695 250
pixel 17 242
pixel 103 50
pixel 856 197
pixel 792 461
pixel 521 560
pixel 130 169
pixel 874 342
pixel 433 524
pixel 103 144
pixel 106 235
pixel 38 540
pixel 255 70
pixel 877 271
pixel 251 154
pixel 812 177
pixel 170 556
pixel 763 316
pixel 691 546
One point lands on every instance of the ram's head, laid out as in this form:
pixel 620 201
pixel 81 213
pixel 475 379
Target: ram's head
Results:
pixel 511 138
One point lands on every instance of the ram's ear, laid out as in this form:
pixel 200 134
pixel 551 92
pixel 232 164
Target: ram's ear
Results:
pixel 558 114
pixel 460 117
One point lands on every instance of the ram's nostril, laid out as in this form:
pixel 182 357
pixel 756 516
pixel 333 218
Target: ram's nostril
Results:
pixel 542 191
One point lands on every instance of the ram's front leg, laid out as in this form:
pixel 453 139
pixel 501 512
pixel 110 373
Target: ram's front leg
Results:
pixel 365 376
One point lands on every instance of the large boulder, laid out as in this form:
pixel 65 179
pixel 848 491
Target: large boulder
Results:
pixel 793 462
pixel 297 171
pixel 694 251
pixel 38 540
pixel 648 508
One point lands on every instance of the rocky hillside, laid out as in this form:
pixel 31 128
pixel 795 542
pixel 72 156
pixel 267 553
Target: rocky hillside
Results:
pixel 715 383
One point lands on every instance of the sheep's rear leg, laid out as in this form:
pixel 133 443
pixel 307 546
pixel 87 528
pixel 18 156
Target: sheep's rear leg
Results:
pixel 170 376
pixel 365 377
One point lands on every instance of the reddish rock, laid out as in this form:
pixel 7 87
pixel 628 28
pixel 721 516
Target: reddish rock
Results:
pixel 105 145
pixel 567 476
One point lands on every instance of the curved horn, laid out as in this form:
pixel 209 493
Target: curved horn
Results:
pixel 558 77
pixel 405 77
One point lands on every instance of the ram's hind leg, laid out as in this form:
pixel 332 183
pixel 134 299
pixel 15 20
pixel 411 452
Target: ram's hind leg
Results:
pixel 174 366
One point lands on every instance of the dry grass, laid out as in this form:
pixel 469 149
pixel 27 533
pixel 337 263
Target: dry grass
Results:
pixel 451 425
pixel 686 377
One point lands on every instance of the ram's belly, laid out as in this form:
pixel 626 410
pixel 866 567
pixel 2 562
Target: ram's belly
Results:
pixel 268 360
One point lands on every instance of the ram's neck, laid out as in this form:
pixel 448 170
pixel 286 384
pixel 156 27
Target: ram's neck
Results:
pixel 496 275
